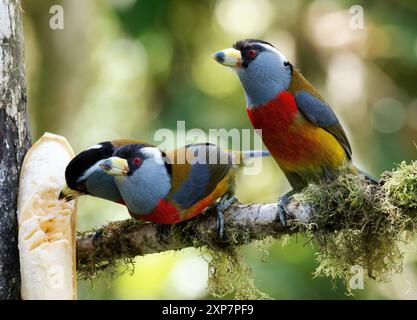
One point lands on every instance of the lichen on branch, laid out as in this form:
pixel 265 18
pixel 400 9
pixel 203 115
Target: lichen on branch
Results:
pixel 357 223
pixel 351 221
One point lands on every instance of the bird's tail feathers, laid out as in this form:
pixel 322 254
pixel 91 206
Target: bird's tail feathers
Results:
pixel 247 154
pixel 366 175
pixel 241 157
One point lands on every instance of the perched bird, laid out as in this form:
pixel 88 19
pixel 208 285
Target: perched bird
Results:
pixel 168 188
pixel 84 176
pixel 298 126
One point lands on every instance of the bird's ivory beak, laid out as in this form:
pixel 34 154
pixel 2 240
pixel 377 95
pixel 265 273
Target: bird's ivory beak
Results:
pixel 115 166
pixel 68 194
pixel 228 57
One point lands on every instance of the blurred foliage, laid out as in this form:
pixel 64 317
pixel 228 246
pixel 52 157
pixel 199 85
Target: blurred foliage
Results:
pixel 125 68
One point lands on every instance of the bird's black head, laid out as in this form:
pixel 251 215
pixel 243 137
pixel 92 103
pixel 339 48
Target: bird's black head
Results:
pixel 244 44
pixel 77 170
pixel 135 154
pixel 263 71
pixel 250 49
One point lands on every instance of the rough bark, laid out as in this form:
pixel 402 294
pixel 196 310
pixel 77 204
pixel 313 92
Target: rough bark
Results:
pixel 244 223
pixel 351 201
pixel 14 141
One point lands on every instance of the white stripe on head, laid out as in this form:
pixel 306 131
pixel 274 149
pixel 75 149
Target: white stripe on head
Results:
pixel 271 48
pixel 97 146
pixel 265 77
pixel 155 153
pixel 89 171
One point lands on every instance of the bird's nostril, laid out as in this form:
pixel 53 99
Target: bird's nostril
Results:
pixel 219 56
pixel 105 166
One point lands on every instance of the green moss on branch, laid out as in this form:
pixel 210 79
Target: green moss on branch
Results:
pixel 358 223
pixel 353 222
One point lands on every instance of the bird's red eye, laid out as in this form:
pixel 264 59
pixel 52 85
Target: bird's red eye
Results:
pixel 252 53
pixel 137 161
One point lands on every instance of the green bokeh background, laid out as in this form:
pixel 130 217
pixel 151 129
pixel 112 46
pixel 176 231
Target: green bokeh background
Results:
pixel 125 68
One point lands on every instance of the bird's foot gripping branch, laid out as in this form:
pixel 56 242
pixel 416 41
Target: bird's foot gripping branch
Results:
pixel 350 221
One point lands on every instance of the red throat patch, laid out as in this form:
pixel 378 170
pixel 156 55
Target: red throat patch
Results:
pixel 295 143
pixel 164 213
pixel 277 113
pixel 277 121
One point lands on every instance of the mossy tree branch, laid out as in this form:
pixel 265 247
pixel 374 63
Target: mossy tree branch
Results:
pixel 350 200
pixel 125 239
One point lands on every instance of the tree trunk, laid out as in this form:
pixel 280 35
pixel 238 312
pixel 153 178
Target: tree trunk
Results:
pixel 14 141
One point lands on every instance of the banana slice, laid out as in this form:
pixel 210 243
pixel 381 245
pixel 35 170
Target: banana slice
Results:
pixel 46 224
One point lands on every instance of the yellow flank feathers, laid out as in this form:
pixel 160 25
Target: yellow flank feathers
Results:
pixel 223 187
pixel 327 150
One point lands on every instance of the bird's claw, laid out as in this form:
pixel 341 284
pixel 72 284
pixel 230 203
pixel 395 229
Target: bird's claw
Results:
pixel 96 235
pixel 221 207
pixel 282 209
pixel 220 224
